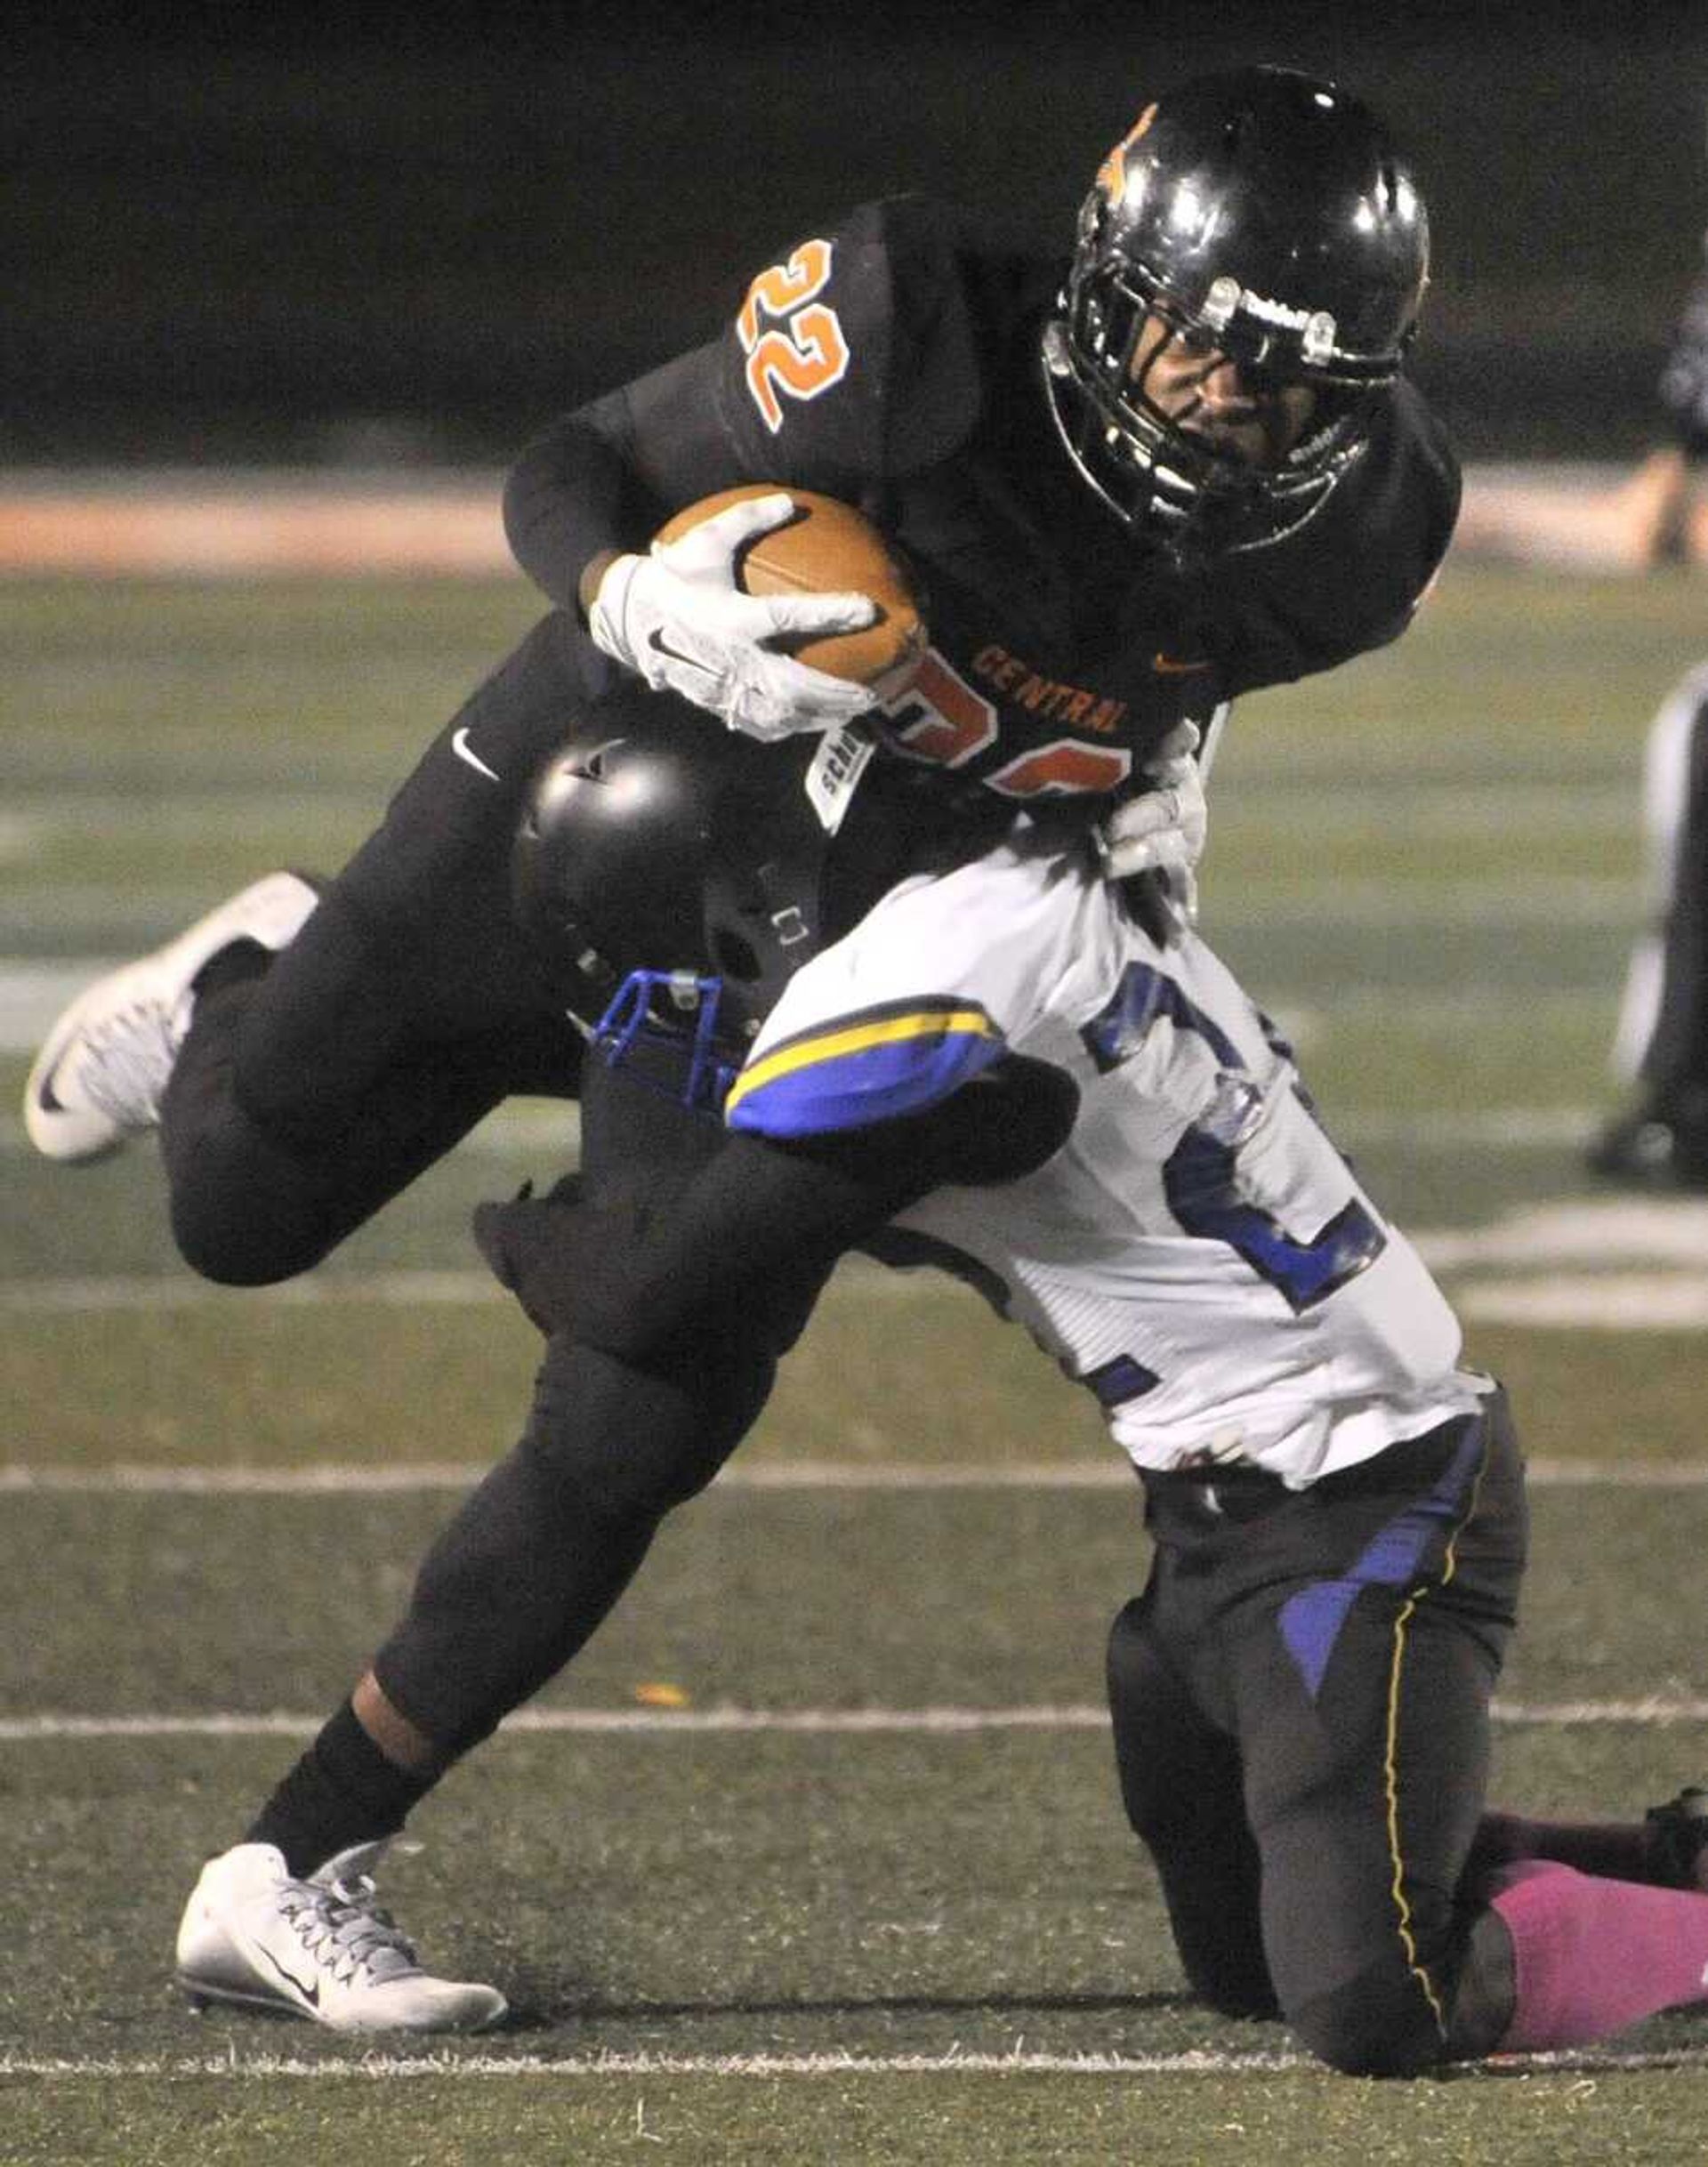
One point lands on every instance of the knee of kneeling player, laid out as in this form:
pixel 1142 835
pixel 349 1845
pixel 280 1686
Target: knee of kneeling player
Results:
pixel 1375 2026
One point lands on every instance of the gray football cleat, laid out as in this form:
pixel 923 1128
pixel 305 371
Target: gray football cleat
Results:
pixel 320 1948
pixel 99 1077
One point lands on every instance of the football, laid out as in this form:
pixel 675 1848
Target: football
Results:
pixel 829 548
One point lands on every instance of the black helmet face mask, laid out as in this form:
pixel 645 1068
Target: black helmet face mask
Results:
pixel 1255 226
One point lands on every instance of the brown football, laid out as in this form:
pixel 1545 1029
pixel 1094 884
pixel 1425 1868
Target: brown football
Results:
pixel 829 548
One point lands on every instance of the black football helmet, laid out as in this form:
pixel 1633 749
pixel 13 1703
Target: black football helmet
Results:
pixel 655 843
pixel 674 876
pixel 1265 215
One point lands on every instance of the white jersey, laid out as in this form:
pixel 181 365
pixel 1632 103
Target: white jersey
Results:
pixel 1198 1254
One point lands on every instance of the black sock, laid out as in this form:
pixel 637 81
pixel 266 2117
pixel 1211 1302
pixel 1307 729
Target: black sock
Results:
pixel 343 1791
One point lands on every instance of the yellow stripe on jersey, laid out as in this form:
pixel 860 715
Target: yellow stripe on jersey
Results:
pixel 859 1038
pixel 844 1062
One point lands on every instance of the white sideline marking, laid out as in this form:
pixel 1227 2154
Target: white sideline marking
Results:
pixel 1194 2062
pixel 322 1479
pixel 1601 1301
pixel 1594 1231
pixel 802 1722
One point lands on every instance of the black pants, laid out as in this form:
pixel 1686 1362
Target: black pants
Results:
pixel 310 1092
pixel 1300 1708
pixel 408 1007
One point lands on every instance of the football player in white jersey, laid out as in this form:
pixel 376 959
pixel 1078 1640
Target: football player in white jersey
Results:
pixel 1104 1135
pixel 1182 1253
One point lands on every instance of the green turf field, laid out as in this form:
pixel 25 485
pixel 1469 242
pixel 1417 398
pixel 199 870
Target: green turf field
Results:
pixel 815 1856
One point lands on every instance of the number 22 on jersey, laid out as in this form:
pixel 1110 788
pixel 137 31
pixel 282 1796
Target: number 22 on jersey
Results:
pixel 799 350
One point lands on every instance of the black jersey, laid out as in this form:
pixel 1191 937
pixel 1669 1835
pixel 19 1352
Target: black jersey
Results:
pixel 894 361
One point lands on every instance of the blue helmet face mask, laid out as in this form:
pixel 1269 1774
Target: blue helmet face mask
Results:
pixel 674 877
pixel 663 1027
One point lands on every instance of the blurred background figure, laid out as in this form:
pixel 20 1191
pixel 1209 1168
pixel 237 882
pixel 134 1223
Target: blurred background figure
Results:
pixel 1665 523
pixel 1660 1049
pixel 1656 516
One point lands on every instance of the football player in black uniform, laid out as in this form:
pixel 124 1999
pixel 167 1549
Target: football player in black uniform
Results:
pixel 1184 465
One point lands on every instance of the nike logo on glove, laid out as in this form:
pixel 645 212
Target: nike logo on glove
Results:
pixel 466 753
pixel 659 647
pixel 1173 665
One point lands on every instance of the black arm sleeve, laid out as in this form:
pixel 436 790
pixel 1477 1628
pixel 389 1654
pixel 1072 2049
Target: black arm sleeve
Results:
pixel 762 1212
pixel 608 475
pixel 750 1236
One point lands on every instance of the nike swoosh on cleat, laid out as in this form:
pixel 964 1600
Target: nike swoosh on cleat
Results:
pixel 311 1992
pixel 46 1097
pixel 466 753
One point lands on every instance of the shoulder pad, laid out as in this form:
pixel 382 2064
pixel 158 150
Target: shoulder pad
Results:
pixel 854 358
pixel 1350 579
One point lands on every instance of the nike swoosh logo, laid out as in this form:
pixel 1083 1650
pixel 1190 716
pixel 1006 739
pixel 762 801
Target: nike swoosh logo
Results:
pixel 310 1990
pixel 46 1097
pixel 1170 665
pixel 670 653
pixel 466 753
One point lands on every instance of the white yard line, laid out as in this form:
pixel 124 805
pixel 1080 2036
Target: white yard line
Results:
pixel 332 1479
pixel 1506 1128
pixel 1574 1245
pixel 1197 2062
pixel 180 1291
pixel 1654 1713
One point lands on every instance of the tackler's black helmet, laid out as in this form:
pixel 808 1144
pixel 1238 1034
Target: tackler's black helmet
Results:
pixel 1265 214
pixel 653 840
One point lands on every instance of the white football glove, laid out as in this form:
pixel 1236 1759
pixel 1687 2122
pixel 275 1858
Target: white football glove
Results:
pixel 678 617
pixel 1162 830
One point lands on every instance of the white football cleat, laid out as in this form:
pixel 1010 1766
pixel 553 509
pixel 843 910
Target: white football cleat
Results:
pixel 99 1077
pixel 320 1948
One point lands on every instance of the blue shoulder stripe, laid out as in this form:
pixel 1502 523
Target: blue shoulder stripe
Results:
pixel 864 1068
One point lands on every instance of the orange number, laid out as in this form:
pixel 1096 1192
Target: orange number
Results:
pixel 804 353
pixel 1061 769
pixel 785 286
pixel 941 717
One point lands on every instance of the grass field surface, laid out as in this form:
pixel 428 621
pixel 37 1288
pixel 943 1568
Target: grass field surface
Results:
pixel 816 1856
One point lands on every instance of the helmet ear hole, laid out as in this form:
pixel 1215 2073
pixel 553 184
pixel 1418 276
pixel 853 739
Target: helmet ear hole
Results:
pixel 732 957
pixel 634 853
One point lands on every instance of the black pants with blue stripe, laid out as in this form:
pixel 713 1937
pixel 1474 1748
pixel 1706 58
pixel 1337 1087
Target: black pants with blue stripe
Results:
pixel 1300 1703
